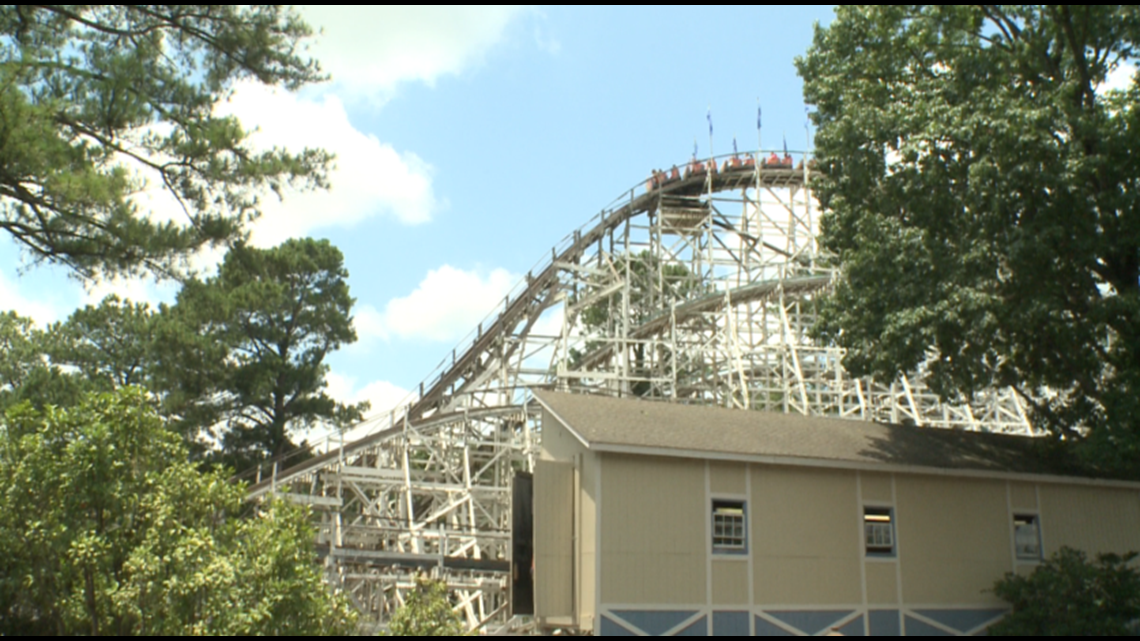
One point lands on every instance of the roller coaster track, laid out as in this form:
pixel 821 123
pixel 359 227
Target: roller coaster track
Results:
pixel 666 293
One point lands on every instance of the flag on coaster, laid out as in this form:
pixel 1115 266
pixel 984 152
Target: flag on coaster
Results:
pixel 710 121
pixel 734 145
pixel 694 148
pixel 758 112
pixel 785 144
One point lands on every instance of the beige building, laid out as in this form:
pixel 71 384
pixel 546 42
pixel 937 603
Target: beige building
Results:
pixel 665 519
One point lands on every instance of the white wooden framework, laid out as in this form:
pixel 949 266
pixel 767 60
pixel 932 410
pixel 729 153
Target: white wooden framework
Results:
pixel 697 286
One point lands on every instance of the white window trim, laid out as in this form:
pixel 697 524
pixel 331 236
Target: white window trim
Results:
pixel 723 551
pixel 893 523
pixel 1017 557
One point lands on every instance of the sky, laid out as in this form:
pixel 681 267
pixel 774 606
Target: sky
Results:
pixel 470 141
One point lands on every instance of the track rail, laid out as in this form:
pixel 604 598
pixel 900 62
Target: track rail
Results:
pixel 527 304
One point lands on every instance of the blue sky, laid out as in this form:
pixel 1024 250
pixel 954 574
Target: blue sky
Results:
pixel 471 140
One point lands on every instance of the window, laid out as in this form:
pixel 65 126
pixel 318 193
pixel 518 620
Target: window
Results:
pixel 729 533
pixel 1027 537
pixel 879 531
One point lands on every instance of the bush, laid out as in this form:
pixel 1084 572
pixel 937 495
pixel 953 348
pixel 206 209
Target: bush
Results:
pixel 1068 595
pixel 426 613
pixel 106 528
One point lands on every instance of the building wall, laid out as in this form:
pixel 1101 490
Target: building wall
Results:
pixel 953 539
pixel 567 599
pixel 806 570
pixel 649 537
pixel 1109 519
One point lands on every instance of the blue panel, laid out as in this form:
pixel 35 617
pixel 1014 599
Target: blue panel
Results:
pixel 730 624
pixel 653 622
pixel 810 622
pixel 884 623
pixel 853 629
pixel 699 628
pixel 611 629
pixel 766 629
pixel 962 620
pixel 915 628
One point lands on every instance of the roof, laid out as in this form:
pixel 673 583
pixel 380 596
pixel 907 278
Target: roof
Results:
pixel 609 424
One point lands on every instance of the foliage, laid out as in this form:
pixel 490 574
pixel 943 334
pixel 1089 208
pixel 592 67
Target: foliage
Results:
pixel 95 99
pixel 982 193
pixel 111 345
pixel 242 352
pixel 426 612
pixel 1068 595
pixel 246 348
pixel 105 528
pixel 26 374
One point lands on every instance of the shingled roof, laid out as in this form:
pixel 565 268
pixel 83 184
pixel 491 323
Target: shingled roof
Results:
pixel 674 429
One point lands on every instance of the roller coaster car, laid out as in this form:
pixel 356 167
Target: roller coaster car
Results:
pixel 732 163
pixel 695 168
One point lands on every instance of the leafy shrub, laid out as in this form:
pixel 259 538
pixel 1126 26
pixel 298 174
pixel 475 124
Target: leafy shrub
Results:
pixel 1069 595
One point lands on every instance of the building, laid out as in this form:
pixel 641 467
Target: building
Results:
pixel 666 519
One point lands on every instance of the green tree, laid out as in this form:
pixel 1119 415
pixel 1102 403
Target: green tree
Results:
pixel 111 345
pixel 426 612
pixel 106 528
pixel 981 193
pixel 1067 595
pixel 91 93
pixel 246 348
pixel 26 373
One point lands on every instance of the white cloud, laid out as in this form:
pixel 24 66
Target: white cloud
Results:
pixel 550 322
pixel 446 305
pixel 1119 77
pixel 369 323
pixel 370 49
pixel 381 394
pixel 137 290
pixel 370 178
pixel 11 299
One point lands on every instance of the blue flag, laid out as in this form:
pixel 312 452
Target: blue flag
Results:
pixel 734 145
pixel 710 122
pixel 785 144
pixel 694 148
pixel 807 118
pixel 758 112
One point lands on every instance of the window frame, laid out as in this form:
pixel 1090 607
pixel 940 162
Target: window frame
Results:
pixel 880 551
pixel 1017 555
pixel 729 504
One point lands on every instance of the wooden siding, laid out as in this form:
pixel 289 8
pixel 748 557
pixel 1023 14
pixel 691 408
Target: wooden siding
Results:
pixel 653 530
pixel 553 539
pixel 876 487
pixel 1090 519
pixel 805 543
pixel 726 478
pixel 730 582
pixel 953 538
pixel 1023 496
pixel 882 583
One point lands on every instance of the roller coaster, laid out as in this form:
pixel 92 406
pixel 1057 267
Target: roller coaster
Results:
pixel 694 286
